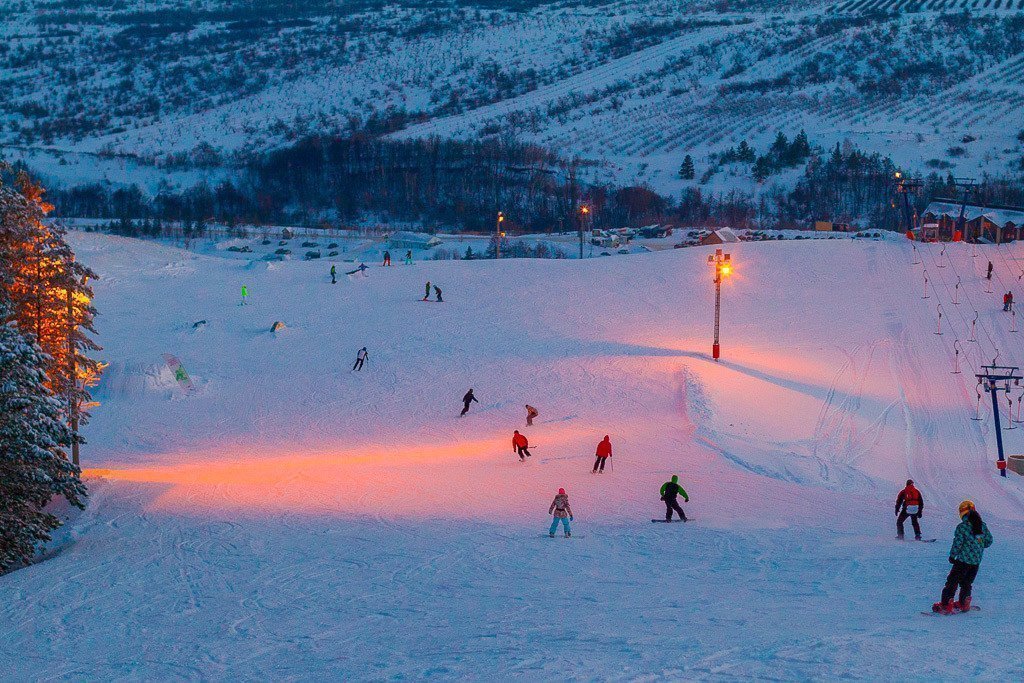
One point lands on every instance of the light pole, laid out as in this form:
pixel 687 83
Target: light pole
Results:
pixel 498 234
pixel 723 268
pixel 584 211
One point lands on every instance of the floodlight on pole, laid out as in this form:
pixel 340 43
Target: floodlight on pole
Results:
pixel 723 269
pixel 498 234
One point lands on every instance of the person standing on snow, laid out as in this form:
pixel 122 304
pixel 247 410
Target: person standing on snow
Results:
pixel 909 503
pixel 245 296
pixel 408 258
pixel 531 413
pixel 519 445
pixel 361 357
pixel 562 513
pixel 387 258
pixel 437 291
pixel 669 491
pixel 1007 301
pixel 969 542
pixel 604 451
pixel 334 274
pixel 466 400
pixel 989 275
pixel 426 292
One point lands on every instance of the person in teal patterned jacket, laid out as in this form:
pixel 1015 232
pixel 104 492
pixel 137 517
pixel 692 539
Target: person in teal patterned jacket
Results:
pixel 969 542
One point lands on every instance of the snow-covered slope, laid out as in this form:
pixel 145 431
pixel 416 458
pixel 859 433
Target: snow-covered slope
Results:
pixel 294 519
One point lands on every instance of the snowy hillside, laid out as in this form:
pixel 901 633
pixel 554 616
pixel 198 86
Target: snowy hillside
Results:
pixel 632 87
pixel 291 519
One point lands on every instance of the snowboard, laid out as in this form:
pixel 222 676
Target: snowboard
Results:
pixel 919 540
pixel 665 521
pixel 184 381
pixel 974 608
pixel 566 538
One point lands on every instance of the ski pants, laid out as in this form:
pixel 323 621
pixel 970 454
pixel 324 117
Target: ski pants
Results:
pixel 913 521
pixel 523 453
pixel 529 419
pixel 465 408
pixel 565 524
pixel 358 365
pixel 387 261
pixel 962 574
pixel 599 463
pixel 1006 306
pixel 673 504
pixel 334 279
pixel 439 299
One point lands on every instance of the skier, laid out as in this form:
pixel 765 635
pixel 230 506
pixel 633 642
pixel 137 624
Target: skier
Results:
pixel 387 258
pixel 519 445
pixel 531 413
pixel 989 275
pixel 562 512
pixel 437 291
pixel 361 358
pixel 245 296
pixel 361 268
pixel 334 274
pixel 408 258
pixel 604 451
pixel 969 542
pixel 909 503
pixel 1007 301
pixel 426 291
pixel 466 400
pixel 669 491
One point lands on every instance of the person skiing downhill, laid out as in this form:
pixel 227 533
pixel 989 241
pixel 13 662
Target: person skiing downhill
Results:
pixel 361 358
pixel 604 451
pixel 426 292
pixel 531 413
pixel 669 491
pixel 466 400
pixel 408 258
pixel 387 258
pixel 909 503
pixel 520 445
pixel 334 274
pixel 245 296
pixel 437 291
pixel 969 542
pixel 562 513
pixel 989 274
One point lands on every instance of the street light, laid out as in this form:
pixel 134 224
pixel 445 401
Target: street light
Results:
pixel 498 234
pixel 584 211
pixel 723 269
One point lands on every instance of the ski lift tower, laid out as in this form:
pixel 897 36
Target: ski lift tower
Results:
pixel 906 187
pixel 968 189
pixel 991 376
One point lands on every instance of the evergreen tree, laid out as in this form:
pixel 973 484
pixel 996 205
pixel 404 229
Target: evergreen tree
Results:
pixel 745 153
pixel 33 458
pixel 762 169
pixel 469 254
pixel 686 171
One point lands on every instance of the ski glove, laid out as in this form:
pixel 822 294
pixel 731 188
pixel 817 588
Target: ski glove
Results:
pixel 570 518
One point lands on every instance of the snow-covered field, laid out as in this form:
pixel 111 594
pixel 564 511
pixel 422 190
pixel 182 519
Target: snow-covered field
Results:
pixel 294 520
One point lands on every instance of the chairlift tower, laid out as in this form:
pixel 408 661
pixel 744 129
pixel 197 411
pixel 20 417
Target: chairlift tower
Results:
pixel 996 378
pixel 904 188
pixel 968 188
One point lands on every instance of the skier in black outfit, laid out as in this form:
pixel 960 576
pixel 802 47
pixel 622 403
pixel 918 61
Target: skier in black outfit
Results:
pixel 466 400
pixel 361 358
pixel 669 491
pixel 437 291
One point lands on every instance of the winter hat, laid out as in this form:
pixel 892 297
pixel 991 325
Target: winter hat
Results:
pixel 561 491
pixel 910 482
pixel 966 507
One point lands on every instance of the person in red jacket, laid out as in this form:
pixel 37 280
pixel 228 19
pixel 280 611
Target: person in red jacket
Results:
pixel 910 503
pixel 519 445
pixel 604 451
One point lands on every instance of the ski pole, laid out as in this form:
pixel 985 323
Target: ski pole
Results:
pixel 977 411
pixel 956 357
pixel 941 254
pixel 974 324
pixel 956 292
pixel 938 325
pixel 926 295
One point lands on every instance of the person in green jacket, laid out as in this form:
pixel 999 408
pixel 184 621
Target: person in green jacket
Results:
pixel 669 491
pixel 969 542
pixel 245 295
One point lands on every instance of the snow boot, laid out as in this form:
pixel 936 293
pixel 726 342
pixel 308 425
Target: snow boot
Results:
pixel 918 537
pixel 552 534
pixel 943 607
pixel 568 534
pixel 963 605
pixel 899 537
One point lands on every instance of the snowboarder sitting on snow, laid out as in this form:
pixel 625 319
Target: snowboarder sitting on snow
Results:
pixel 519 445
pixel 910 503
pixel 604 451
pixel 334 274
pixel 426 292
pixel 387 258
pixel 969 542
pixel 669 491
pixel 562 512
pixel 437 291
pixel 531 413
pixel 466 400
pixel 361 358
pixel 1007 301
pixel 361 268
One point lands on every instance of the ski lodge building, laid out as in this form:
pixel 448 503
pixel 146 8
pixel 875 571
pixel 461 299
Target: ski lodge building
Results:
pixel 995 224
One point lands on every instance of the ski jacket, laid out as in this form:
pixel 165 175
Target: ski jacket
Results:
pixel 604 449
pixel 671 489
pixel 1006 298
pixel 969 543
pixel 910 496
pixel 560 506
pixel 469 397
pixel 531 411
pixel 519 441
pixel 362 355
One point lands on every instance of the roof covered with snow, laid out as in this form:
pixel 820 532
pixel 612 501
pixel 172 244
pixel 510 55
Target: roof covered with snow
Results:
pixel 997 215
